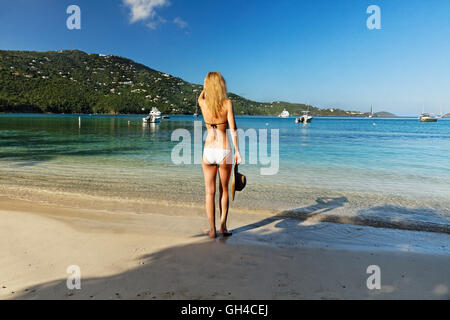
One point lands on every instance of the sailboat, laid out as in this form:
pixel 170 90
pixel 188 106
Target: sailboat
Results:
pixel 426 117
pixel 371 115
pixel 196 108
pixel 441 115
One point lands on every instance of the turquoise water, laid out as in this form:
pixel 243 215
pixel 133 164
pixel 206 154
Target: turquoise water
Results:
pixel 375 168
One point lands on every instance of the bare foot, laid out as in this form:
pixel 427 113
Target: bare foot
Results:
pixel 211 234
pixel 225 233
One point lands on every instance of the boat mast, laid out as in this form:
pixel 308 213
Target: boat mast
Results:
pixel 196 105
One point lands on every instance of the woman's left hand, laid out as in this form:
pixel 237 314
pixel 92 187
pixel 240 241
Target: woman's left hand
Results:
pixel 237 158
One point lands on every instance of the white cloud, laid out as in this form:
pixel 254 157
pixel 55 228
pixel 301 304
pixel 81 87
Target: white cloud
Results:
pixel 145 9
pixel 155 22
pixel 181 23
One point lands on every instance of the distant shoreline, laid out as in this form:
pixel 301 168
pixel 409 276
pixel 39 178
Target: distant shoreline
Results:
pixel 393 116
pixel 190 114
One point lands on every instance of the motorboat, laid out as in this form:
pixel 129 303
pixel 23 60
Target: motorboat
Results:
pixel 153 117
pixel 155 112
pixel 284 114
pixel 305 118
pixel 426 117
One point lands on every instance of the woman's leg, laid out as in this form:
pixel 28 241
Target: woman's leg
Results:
pixel 210 173
pixel 224 175
pixel 220 197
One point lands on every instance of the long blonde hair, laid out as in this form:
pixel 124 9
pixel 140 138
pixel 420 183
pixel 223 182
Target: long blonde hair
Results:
pixel 215 92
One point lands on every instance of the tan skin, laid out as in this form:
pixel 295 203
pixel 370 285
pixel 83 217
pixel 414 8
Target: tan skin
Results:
pixel 219 139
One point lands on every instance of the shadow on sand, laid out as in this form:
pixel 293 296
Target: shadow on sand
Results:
pixel 182 272
pixel 322 205
pixel 211 269
pixel 216 270
pixel 386 216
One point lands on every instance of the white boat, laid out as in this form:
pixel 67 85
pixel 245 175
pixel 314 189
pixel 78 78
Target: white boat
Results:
pixel 426 117
pixel 155 112
pixel 441 115
pixel 305 118
pixel 371 115
pixel 153 117
pixel 284 114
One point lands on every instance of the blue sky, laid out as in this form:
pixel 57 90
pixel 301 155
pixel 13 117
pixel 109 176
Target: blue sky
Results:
pixel 316 51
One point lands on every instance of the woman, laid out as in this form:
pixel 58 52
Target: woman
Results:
pixel 218 114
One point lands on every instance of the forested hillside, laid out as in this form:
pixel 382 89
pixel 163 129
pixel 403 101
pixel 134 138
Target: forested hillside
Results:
pixel 73 81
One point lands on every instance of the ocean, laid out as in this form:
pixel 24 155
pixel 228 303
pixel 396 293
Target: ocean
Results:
pixel 381 172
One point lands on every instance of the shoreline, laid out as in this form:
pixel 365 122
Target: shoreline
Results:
pixel 191 114
pixel 292 116
pixel 163 255
pixel 345 209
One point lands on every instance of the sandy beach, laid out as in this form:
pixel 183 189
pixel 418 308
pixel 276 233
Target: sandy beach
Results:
pixel 163 255
pixel 119 122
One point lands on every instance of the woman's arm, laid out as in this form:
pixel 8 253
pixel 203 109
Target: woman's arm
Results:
pixel 201 97
pixel 201 100
pixel 233 131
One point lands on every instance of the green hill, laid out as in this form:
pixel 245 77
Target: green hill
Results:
pixel 384 114
pixel 73 81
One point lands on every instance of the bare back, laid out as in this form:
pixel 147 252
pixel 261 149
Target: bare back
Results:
pixel 217 126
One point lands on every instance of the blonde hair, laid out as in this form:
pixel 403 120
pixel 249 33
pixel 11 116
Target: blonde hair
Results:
pixel 215 92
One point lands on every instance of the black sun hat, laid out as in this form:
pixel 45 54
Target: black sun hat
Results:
pixel 239 181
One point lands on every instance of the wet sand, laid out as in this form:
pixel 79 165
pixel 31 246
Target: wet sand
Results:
pixel 163 255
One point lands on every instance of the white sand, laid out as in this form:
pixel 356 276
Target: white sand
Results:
pixel 164 256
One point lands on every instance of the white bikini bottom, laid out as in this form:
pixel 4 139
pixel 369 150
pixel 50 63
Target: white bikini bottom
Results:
pixel 215 156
